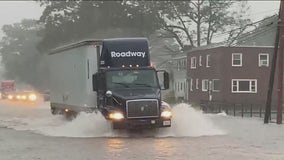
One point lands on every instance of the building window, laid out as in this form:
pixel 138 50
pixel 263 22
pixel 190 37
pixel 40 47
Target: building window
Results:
pixel 196 83
pixel 200 60
pixel 237 59
pixel 216 85
pixel 205 85
pixel 263 60
pixel 244 86
pixel 207 60
pixel 193 62
pixel 191 84
pixel 181 64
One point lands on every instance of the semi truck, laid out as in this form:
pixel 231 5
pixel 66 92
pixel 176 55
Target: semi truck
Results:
pixel 110 76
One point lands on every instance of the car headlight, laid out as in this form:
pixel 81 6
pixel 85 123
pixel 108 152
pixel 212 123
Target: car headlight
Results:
pixel 10 97
pixel 18 97
pixel 32 97
pixel 167 114
pixel 116 116
pixel 24 97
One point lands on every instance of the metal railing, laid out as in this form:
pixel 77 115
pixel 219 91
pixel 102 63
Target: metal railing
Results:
pixel 236 109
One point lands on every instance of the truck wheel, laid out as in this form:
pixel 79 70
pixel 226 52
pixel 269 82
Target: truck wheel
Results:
pixel 70 115
pixel 54 111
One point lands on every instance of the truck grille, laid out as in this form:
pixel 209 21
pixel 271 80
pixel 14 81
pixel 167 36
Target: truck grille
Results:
pixel 144 108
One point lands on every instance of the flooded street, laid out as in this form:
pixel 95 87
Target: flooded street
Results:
pixel 31 132
pixel 131 64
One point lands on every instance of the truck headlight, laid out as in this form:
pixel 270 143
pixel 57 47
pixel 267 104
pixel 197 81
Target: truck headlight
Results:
pixel 32 97
pixel 167 114
pixel 116 116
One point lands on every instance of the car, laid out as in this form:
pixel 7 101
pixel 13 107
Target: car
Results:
pixel 28 96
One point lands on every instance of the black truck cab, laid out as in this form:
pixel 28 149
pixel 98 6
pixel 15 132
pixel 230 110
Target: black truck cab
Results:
pixel 128 88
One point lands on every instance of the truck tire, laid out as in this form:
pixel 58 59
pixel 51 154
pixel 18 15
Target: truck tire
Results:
pixel 55 111
pixel 70 115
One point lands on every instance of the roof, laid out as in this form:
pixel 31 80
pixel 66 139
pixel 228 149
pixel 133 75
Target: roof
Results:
pixel 74 45
pixel 224 46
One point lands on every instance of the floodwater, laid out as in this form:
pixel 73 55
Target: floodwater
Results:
pixel 29 131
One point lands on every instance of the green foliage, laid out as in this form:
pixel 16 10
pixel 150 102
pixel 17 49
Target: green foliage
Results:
pixel 20 56
pixel 196 23
pixel 190 23
pixel 76 20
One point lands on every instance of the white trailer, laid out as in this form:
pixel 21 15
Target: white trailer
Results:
pixel 71 69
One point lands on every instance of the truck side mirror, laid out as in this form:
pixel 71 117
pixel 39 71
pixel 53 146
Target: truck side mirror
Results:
pixel 95 82
pixel 166 80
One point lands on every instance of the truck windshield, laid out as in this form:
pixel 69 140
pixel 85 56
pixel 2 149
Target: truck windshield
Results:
pixel 131 79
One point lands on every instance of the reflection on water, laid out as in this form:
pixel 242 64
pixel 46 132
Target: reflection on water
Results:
pixel 115 147
pixel 141 148
pixel 165 148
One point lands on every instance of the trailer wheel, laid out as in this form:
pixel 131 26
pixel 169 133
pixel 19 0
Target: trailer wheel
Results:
pixel 55 111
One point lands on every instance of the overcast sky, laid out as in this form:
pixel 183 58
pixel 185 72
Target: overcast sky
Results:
pixel 14 11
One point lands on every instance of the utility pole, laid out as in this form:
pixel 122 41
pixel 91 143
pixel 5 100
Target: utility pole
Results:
pixel 272 75
pixel 280 65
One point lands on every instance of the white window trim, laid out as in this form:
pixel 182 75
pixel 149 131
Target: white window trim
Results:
pixel 191 84
pixel 192 65
pixel 196 83
pixel 262 65
pixel 200 60
pixel 207 60
pixel 184 86
pixel 213 85
pixel 241 60
pixel 203 86
pixel 255 80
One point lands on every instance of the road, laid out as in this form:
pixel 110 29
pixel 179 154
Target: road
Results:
pixel 30 132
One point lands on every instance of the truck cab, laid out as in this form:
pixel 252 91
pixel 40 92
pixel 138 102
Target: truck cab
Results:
pixel 129 91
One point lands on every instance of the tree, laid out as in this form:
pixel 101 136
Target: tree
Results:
pixel 197 23
pixel 190 23
pixel 76 20
pixel 20 57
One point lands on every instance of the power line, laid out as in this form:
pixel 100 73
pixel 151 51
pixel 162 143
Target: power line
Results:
pixel 250 24
pixel 249 36
pixel 274 10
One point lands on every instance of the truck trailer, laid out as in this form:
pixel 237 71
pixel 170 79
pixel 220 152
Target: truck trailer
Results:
pixel 113 77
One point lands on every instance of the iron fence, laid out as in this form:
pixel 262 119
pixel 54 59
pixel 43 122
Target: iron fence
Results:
pixel 236 109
